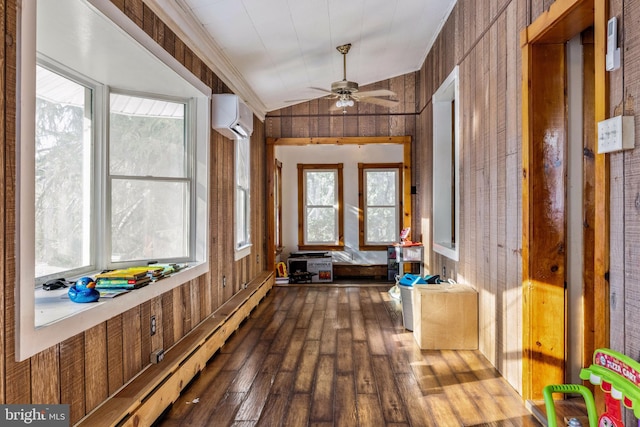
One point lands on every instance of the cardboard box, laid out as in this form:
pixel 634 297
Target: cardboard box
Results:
pixel 445 317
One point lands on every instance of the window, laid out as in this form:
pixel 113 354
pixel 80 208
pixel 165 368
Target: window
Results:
pixel 64 196
pixel 149 169
pixel 150 179
pixel 277 195
pixel 242 203
pixel 380 200
pixel 446 178
pixel 320 202
pixel 97 179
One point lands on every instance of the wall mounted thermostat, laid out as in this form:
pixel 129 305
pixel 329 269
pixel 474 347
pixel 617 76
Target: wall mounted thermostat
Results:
pixel 613 51
pixel 616 134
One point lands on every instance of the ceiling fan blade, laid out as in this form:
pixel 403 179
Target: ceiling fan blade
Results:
pixel 320 89
pixel 377 92
pixel 383 102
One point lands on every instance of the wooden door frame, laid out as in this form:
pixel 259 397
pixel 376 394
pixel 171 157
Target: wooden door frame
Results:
pixel 543 272
pixel 405 141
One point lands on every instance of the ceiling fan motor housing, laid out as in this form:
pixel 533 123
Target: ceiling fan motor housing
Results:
pixel 344 87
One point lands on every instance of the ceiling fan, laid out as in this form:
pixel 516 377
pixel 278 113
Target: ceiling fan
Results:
pixel 346 93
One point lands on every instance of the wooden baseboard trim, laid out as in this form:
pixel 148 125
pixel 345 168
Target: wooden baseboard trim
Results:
pixel 144 399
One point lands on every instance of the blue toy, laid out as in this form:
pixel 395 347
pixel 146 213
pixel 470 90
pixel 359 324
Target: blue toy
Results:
pixel 83 290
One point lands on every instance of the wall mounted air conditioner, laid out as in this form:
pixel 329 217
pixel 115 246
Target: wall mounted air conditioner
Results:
pixel 230 116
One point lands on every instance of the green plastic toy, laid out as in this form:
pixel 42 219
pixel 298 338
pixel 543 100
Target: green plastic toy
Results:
pixel 617 375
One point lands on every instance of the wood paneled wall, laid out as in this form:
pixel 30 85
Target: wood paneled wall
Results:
pixel 624 171
pixel 85 369
pixel 483 39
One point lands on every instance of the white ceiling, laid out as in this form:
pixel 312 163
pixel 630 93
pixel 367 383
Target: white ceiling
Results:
pixel 273 51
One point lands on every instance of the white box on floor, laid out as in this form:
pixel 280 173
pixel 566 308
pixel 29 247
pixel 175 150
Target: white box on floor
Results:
pixel 445 317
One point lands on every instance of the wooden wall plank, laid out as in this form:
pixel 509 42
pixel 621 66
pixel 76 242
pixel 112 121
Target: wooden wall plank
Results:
pixel 492 175
pixel 115 351
pixel 6 78
pixel 617 202
pixel 98 381
pixel 72 384
pixel 131 343
pixel 45 377
pixel 632 196
pixel 145 333
pixel 500 165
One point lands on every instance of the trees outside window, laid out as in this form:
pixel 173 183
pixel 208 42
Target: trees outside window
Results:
pixel 149 177
pixel 63 169
pixel 380 200
pixel 102 198
pixel 320 207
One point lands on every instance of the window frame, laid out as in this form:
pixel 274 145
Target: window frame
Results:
pixel 362 207
pixel 446 167
pixel 242 248
pixel 107 176
pixel 97 124
pixel 302 206
pixel 277 194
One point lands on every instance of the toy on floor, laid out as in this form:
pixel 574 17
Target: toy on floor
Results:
pixel 617 375
pixel 83 290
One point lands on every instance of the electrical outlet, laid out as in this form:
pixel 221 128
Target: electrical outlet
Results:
pixel 224 281
pixel 616 134
pixel 153 326
pixel 157 356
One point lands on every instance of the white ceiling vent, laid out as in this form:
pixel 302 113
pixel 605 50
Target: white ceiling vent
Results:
pixel 230 116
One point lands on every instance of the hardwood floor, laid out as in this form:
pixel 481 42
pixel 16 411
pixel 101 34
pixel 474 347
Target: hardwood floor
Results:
pixel 339 356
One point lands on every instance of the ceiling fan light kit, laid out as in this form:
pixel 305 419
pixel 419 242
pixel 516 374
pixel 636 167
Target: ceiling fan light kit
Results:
pixel 341 103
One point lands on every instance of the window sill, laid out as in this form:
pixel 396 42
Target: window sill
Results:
pixel 321 247
pixel 56 318
pixel 242 252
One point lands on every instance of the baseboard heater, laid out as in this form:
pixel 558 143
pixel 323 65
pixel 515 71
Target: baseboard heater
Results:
pixel 141 401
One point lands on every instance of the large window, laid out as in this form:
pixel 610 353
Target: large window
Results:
pixel 320 201
pixel 148 178
pixel 242 202
pixel 380 200
pixel 106 177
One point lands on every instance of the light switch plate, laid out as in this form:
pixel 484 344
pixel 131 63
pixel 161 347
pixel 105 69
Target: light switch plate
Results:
pixel 616 134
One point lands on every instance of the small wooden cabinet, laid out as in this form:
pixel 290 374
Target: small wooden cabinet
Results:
pixel 445 317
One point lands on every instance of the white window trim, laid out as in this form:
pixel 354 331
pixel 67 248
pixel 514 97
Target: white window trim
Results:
pixel 81 317
pixel 242 249
pixel 442 135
